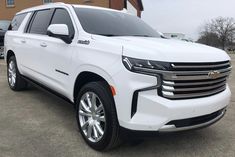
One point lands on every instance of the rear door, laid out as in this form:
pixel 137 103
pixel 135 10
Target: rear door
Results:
pixel 48 57
pixel 32 39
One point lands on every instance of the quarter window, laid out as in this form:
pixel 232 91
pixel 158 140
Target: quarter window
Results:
pixel 16 22
pixel 61 16
pixel 41 22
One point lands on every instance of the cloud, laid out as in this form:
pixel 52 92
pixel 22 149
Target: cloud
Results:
pixel 184 16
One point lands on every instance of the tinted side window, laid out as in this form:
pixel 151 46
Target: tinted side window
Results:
pixel 61 16
pixel 41 22
pixel 16 22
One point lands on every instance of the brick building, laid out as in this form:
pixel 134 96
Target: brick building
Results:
pixel 8 8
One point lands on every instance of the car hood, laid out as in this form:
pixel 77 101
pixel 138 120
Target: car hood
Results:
pixel 169 50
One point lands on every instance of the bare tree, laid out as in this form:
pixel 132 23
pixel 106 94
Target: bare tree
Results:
pixel 221 28
pixel 210 39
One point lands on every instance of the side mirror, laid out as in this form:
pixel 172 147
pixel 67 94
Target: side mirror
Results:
pixel 60 31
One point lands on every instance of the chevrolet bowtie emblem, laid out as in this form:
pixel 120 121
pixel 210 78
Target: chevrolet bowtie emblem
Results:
pixel 214 74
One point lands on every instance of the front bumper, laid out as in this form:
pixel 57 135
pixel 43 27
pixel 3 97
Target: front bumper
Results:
pixel 193 123
pixel 153 112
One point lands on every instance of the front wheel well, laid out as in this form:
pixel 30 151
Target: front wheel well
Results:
pixel 9 54
pixel 86 77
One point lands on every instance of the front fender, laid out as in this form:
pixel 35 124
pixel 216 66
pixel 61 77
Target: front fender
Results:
pixel 93 69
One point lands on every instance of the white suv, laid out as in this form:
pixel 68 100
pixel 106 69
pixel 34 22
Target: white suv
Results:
pixel 118 72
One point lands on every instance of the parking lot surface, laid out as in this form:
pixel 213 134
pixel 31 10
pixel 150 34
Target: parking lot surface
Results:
pixel 34 123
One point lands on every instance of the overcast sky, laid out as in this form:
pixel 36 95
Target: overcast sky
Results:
pixel 185 16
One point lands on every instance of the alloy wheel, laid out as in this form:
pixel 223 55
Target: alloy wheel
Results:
pixel 12 73
pixel 92 117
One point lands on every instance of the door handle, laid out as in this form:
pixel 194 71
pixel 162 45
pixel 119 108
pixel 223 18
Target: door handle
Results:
pixel 43 45
pixel 23 41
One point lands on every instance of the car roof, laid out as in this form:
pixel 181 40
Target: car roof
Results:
pixel 60 4
pixel 95 7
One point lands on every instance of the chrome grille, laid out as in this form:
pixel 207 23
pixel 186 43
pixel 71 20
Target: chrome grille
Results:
pixel 194 80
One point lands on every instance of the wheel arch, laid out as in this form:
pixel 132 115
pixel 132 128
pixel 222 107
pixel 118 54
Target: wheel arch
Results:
pixel 9 53
pixel 85 77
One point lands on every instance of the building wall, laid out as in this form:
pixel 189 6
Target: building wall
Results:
pixel 7 13
pixel 120 4
pixel 100 3
pixel 135 4
pixel 117 4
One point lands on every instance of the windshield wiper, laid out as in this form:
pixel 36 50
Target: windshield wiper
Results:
pixel 163 37
pixel 149 36
pixel 141 35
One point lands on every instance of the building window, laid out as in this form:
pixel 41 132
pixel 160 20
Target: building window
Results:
pixel 47 1
pixel 10 3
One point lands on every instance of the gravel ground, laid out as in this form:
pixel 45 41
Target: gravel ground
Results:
pixel 34 123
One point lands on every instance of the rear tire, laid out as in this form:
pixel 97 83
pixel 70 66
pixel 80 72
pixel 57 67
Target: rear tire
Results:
pixel 96 116
pixel 15 80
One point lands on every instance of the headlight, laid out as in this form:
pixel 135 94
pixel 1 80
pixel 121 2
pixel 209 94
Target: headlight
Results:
pixel 144 66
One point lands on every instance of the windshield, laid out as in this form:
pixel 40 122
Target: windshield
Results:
pixel 111 23
pixel 4 25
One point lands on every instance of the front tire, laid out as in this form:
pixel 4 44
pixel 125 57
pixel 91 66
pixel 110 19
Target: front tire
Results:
pixel 96 116
pixel 15 80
